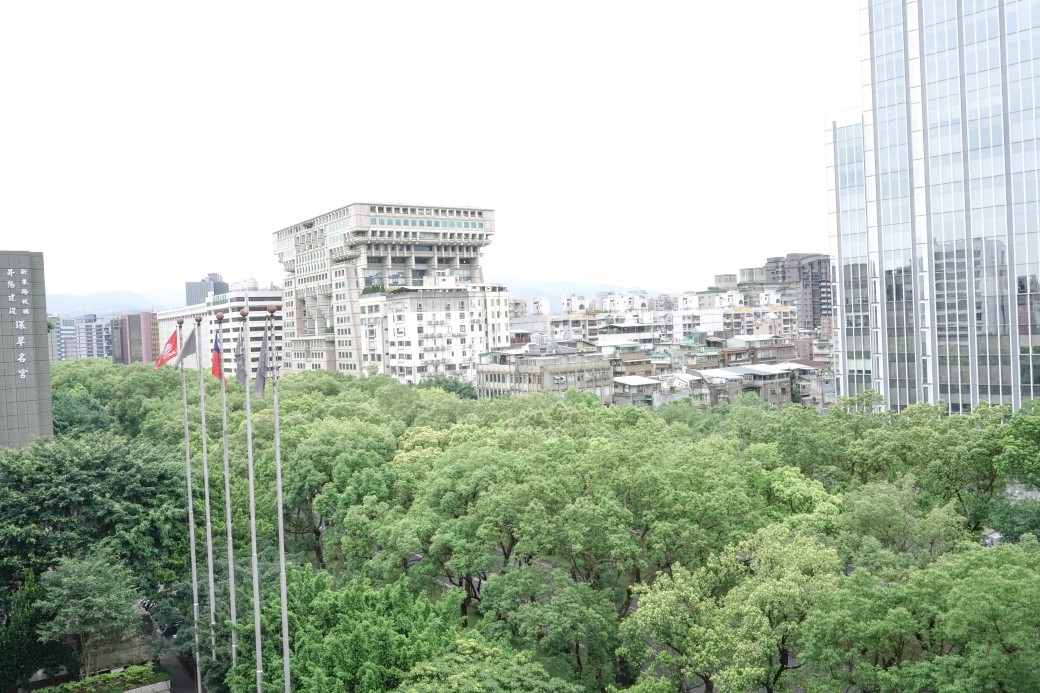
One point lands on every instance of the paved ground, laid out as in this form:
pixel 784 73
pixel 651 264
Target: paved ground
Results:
pixel 182 681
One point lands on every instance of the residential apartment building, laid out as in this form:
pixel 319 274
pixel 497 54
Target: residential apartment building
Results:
pixel 229 304
pixel 748 320
pixel 519 308
pixel 725 281
pixel 135 338
pixel 93 337
pixel 619 301
pixel 934 206
pixel 772 384
pixel 577 303
pixel 333 259
pixel 544 368
pixel 416 334
pixel 61 341
pixel 801 280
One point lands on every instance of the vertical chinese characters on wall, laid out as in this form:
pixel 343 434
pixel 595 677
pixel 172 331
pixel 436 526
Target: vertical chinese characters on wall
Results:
pixel 19 309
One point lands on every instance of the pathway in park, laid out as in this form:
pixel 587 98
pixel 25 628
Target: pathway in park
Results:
pixel 181 681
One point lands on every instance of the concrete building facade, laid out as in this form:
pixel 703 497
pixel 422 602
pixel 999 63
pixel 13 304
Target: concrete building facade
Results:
pixel 25 395
pixel 438 330
pixel 333 259
pixel 135 338
pixel 195 293
pixel 93 337
pixel 62 338
pixel 548 368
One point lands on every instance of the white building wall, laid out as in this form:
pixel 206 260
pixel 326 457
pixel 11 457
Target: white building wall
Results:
pixel 418 335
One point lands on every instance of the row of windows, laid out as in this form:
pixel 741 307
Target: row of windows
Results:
pixel 428 223
pixel 426 211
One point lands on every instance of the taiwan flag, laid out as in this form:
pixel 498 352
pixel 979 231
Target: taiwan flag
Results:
pixel 218 359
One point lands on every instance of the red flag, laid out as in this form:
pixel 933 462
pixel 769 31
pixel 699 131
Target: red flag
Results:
pixel 168 353
pixel 218 360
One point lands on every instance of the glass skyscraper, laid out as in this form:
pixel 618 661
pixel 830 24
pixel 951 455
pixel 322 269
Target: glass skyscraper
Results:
pixel 935 219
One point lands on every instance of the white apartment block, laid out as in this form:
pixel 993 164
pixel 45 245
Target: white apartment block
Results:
pixel 371 248
pixel 230 304
pixel 93 337
pixel 62 339
pixel 747 320
pixel 576 303
pixel 617 301
pixel 419 333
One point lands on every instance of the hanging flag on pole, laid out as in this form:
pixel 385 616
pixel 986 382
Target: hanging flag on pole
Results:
pixel 218 358
pixel 261 367
pixel 187 348
pixel 241 360
pixel 168 353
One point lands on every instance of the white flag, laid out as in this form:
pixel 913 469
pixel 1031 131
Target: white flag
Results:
pixel 187 348
pixel 241 359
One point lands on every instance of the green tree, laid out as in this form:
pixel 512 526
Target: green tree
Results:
pixel 23 651
pixel 88 601
pixel 967 622
pixel 856 633
pixel 351 638
pixel 452 385
pixel 556 617
pixel 76 413
pixel 61 496
pixel 736 623
pixel 473 666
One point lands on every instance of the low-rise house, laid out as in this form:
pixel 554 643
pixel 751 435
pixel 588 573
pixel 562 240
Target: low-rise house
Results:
pixel 544 368
pixel 636 390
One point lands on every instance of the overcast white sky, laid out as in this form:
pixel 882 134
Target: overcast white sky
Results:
pixel 642 144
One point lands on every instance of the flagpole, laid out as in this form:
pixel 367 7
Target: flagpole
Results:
pixel 191 517
pixel 227 500
pixel 252 511
pixel 205 482
pixel 273 363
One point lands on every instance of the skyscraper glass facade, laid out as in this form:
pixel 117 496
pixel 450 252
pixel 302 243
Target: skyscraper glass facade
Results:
pixel 951 212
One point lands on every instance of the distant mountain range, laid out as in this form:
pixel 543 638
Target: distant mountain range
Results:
pixel 104 304
pixel 111 303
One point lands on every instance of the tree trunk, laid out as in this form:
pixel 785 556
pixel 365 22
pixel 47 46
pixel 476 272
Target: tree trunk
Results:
pixel 319 552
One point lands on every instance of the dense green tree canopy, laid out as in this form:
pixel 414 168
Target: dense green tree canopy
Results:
pixel 547 542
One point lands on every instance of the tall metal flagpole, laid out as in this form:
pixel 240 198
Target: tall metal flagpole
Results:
pixel 227 502
pixel 252 512
pixel 273 365
pixel 205 481
pixel 191 515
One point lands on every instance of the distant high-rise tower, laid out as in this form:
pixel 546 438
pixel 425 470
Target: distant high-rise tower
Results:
pixel 935 206
pixel 135 338
pixel 62 337
pixel 25 375
pixel 93 337
pixel 196 292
